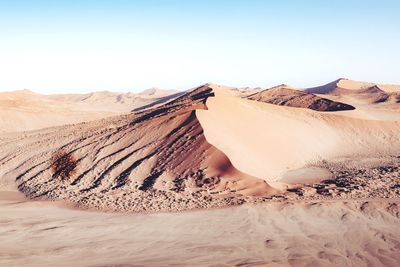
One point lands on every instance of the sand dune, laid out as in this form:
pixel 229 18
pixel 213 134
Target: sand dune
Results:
pixel 361 92
pixel 372 101
pixel 266 140
pixel 112 100
pixel 149 155
pixel 162 158
pixel 25 110
pixel 286 96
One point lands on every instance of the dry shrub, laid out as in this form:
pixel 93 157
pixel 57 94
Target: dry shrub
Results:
pixel 63 165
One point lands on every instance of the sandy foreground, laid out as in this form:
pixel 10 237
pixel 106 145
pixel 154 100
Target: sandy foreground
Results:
pixel 210 177
pixel 316 233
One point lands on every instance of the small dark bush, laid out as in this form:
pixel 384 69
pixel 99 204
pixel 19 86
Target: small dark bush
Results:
pixel 63 165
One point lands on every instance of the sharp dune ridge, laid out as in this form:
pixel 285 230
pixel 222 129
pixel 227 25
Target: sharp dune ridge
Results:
pixel 204 148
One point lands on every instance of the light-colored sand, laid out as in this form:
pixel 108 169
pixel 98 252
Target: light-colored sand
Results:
pixel 352 233
pixel 372 101
pixel 25 110
pixel 306 175
pixel 360 93
pixel 357 85
pixel 348 86
pixel 266 140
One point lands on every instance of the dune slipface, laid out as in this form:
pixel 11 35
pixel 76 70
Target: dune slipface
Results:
pixel 267 140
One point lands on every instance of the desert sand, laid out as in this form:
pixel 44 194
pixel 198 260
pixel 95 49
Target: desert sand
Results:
pixel 217 176
pixel 318 233
pixel 25 110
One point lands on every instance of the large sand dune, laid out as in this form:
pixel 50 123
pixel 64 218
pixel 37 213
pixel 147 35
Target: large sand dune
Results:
pixel 265 140
pixel 205 148
pixel 149 155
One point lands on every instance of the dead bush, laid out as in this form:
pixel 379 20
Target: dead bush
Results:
pixel 63 165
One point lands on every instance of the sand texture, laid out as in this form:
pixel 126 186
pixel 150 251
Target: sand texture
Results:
pixel 319 233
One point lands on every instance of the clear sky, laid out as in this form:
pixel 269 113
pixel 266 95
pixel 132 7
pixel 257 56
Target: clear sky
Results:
pixel 121 45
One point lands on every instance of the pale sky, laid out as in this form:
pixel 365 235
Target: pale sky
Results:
pixel 80 46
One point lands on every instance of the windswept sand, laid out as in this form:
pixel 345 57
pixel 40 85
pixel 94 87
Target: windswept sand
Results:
pixel 350 233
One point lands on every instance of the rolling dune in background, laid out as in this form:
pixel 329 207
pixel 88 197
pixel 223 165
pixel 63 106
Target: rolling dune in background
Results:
pixel 25 110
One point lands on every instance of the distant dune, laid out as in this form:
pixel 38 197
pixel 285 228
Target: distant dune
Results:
pixel 286 96
pixel 25 110
pixel 360 91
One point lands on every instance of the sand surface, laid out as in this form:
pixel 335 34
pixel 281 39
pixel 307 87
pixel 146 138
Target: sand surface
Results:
pixel 351 233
